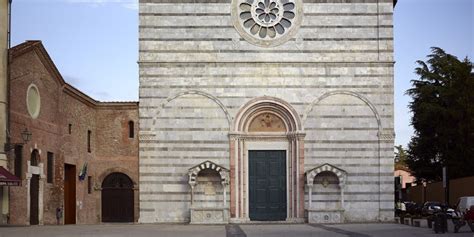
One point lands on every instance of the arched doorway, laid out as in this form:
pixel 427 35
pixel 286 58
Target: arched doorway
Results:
pixel 117 198
pixel 34 190
pixel 267 162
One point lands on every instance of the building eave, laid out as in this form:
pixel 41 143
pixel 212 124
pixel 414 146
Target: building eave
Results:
pixel 40 50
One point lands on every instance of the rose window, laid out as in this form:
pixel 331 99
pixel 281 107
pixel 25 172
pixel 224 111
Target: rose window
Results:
pixel 266 22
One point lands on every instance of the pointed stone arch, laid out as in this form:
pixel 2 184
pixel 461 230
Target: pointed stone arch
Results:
pixel 349 93
pixel 382 135
pixel 195 92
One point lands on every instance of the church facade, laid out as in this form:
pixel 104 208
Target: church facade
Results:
pixel 266 110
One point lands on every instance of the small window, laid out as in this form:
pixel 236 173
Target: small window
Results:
pixel 89 184
pixel 18 160
pixel 89 140
pixel 50 169
pixel 131 129
pixel 70 128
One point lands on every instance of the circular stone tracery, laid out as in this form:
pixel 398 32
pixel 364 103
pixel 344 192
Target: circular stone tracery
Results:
pixel 267 22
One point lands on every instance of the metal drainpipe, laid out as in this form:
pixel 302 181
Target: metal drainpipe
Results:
pixel 8 70
pixel 9 22
pixel 7 107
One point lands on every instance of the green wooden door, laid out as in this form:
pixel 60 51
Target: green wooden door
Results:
pixel 267 190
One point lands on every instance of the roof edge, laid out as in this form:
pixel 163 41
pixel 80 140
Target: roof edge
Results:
pixel 38 47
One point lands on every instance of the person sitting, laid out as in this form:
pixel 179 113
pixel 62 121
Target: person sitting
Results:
pixel 457 220
pixel 467 218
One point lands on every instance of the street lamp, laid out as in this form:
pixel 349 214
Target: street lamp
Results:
pixel 25 136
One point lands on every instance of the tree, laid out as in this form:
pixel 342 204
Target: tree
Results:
pixel 400 158
pixel 443 118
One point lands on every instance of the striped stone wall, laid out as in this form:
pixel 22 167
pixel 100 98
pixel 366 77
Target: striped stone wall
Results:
pixel 196 72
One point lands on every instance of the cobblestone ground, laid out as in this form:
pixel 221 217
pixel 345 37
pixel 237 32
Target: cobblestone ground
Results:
pixel 256 230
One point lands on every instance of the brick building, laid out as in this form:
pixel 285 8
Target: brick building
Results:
pixel 83 154
pixel 266 110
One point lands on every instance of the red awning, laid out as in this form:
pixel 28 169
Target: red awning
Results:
pixel 8 179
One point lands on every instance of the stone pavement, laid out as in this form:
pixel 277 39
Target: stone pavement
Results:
pixel 249 230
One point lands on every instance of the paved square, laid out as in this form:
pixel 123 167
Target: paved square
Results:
pixel 248 230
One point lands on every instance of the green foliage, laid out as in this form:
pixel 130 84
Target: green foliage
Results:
pixel 443 118
pixel 401 156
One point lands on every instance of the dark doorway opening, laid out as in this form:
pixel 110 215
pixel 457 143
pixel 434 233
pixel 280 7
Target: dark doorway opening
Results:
pixel 34 199
pixel 117 198
pixel 69 194
pixel 267 185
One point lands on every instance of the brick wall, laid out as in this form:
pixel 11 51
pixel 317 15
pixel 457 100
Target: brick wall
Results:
pixel 63 105
pixel 46 129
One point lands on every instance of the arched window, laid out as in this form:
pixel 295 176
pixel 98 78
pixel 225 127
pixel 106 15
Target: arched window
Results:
pixel 34 158
pixel 131 129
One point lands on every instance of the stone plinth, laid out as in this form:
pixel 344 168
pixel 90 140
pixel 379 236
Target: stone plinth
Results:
pixel 325 216
pixel 209 215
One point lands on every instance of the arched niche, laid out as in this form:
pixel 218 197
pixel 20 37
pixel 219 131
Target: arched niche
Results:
pixel 321 177
pixel 203 179
pixel 208 165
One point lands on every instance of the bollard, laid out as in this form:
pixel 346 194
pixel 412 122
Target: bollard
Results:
pixel 440 223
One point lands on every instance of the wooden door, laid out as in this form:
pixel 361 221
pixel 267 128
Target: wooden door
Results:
pixel 69 194
pixel 117 198
pixel 267 185
pixel 34 200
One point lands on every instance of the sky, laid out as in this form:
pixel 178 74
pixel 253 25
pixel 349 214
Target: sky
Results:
pixel 94 43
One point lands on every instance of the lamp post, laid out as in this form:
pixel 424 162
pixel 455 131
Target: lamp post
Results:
pixel 398 180
pixel 25 136
pixel 445 185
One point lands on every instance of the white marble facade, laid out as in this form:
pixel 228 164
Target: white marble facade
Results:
pixel 321 68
